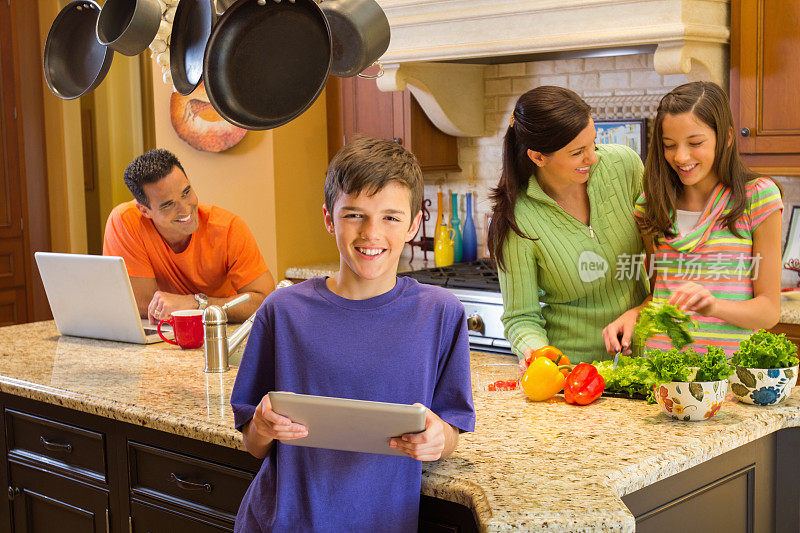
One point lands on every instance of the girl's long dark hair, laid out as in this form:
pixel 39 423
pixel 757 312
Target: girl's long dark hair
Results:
pixel 545 119
pixel 709 103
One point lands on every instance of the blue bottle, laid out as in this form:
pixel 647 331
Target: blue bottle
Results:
pixel 470 245
pixel 455 223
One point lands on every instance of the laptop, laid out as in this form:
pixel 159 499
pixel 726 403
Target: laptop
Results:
pixel 91 296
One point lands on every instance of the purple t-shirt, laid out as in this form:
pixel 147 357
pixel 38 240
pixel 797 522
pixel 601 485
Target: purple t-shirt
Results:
pixel 405 346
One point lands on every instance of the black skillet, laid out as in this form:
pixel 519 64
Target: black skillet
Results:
pixel 74 60
pixel 266 64
pixel 191 28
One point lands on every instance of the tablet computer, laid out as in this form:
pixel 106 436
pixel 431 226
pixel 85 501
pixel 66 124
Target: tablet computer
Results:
pixel 350 425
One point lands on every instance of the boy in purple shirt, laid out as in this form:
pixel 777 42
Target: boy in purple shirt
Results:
pixel 364 334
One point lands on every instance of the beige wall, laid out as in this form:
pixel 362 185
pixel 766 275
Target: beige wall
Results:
pixel 64 158
pixel 272 179
pixel 118 137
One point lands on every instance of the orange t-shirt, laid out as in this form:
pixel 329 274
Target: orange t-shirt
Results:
pixel 221 258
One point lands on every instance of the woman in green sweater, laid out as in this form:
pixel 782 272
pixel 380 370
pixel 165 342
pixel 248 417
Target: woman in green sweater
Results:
pixel 563 231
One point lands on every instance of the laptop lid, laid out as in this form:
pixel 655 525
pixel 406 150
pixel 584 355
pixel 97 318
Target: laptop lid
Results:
pixel 91 296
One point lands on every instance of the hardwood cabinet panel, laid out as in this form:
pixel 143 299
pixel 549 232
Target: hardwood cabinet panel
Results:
pixel 60 446
pixel 792 332
pixel 44 502
pixel 765 40
pixel 10 197
pixel 732 492
pixel 390 115
pixel 149 518
pixel 13 306
pixel 12 263
pixel 189 482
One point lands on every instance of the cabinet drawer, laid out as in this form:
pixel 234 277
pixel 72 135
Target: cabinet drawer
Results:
pixel 186 481
pixel 149 518
pixel 68 448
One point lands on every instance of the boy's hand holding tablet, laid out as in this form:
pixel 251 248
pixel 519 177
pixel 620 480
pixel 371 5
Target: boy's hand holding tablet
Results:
pixel 267 425
pixel 438 439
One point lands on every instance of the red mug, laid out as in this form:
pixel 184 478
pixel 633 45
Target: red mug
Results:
pixel 187 326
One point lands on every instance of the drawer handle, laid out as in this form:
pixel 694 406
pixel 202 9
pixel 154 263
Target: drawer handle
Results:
pixel 55 446
pixel 188 485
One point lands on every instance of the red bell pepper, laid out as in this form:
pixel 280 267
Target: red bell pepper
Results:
pixel 584 385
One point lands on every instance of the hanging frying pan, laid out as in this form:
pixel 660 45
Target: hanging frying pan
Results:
pixel 128 26
pixel 191 28
pixel 74 61
pixel 266 64
pixel 359 34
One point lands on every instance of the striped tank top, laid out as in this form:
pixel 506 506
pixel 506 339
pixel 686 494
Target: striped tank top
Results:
pixel 709 254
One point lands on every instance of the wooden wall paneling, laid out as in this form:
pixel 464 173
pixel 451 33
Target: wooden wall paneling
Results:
pixel 12 263
pixel 14 302
pixel 32 189
pixel 31 133
pixel 12 307
pixel 765 42
pixel 10 208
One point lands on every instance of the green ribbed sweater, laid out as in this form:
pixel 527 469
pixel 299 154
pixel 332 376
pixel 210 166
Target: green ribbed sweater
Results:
pixel 547 270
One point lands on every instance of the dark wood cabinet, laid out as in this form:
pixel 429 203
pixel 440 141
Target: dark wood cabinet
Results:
pixel 732 492
pixel 147 517
pixel 356 105
pixel 74 472
pixel 765 42
pixel 44 501
pixel 792 332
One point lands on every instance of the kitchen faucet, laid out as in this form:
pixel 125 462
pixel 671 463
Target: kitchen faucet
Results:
pixel 217 345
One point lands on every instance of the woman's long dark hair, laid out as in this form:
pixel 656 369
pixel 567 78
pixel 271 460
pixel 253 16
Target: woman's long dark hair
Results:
pixel 709 103
pixel 545 119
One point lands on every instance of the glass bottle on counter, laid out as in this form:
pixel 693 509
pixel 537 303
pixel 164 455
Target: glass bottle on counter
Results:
pixel 470 239
pixel 443 245
pixel 455 223
pixel 439 217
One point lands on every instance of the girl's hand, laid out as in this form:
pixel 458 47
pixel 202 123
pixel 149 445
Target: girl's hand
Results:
pixel 617 335
pixel 692 296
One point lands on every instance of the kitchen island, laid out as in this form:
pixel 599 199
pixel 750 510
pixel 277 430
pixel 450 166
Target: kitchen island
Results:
pixel 546 466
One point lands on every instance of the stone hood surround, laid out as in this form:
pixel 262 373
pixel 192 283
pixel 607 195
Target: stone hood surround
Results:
pixel 689 36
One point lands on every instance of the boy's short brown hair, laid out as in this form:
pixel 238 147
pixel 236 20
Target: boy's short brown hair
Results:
pixel 367 165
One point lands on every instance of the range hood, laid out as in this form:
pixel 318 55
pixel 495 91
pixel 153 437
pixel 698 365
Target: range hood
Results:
pixel 439 48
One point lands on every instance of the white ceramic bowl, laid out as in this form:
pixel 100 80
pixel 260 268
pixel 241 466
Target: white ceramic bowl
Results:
pixel 693 400
pixel 763 386
pixel 497 377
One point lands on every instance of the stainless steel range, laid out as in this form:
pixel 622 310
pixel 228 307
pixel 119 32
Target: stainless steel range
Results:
pixel 476 285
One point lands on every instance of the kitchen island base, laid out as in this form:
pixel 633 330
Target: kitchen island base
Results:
pixel 71 471
pixel 752 488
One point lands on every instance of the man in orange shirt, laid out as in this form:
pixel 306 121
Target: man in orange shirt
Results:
pixel 181 254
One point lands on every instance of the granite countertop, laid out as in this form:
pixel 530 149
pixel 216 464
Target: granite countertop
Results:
pixel 528 465
pixel 790 310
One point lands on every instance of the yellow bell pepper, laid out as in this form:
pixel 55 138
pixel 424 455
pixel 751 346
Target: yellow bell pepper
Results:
pixel 543 379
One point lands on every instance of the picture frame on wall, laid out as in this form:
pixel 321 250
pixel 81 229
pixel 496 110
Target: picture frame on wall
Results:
pixel 627 132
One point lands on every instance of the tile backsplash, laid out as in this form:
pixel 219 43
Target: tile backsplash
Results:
pixel 618 87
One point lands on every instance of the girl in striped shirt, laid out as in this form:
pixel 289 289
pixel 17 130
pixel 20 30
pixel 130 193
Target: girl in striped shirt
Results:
pixel 711 226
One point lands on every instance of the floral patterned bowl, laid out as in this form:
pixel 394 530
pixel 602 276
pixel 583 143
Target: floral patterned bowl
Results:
pixel 692 400
pixel 763 386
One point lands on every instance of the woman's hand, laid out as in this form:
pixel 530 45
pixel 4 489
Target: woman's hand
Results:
pixel 617 335
pixel 692 296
